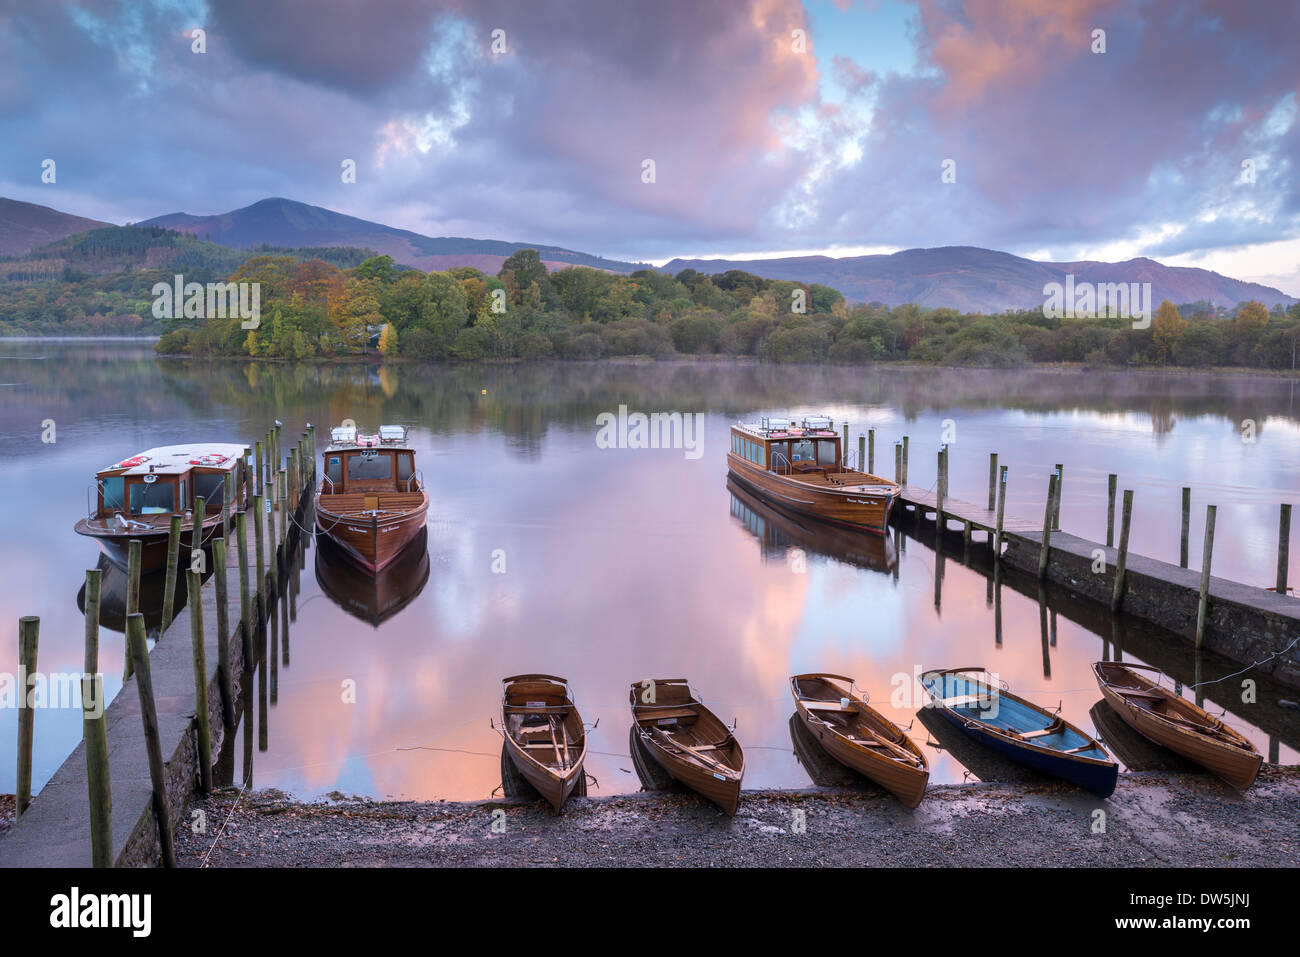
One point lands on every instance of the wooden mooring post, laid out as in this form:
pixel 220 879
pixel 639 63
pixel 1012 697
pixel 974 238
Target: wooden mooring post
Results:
pixel 1112 482
pixel 246 622
pixel 938 495
pixel 862 453
pixel 1207 558
pixel 1283 546
pixel 1047 526
pixel 169 584
pixel 1187 525
pixel 898 462
pixel 200 681
pixel 905 443
pixel 94 730
pixel 260 547
pixel 993 480
pixel 29 632
pixel 133 552
pixel 1002 510
pixel 224 685
pixel 1121 561
pixel 153 744
pixel 1056 499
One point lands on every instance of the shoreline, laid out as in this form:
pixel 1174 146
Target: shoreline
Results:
pixel 1154 819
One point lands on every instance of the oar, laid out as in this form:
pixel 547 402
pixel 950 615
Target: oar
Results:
pixel 703 758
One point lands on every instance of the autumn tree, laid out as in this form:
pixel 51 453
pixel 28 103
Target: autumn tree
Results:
pixel 1167 328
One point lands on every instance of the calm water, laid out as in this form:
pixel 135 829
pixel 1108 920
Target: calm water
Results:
pixel 625 564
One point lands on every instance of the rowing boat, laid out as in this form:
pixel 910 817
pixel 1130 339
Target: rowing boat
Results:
pixel 1019 729
pixel 859 736
pixel 688 740
pixel 544 735
pixel 1157 713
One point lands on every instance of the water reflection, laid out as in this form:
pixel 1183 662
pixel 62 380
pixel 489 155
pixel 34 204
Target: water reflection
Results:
pixel 615 563
pixel 373 597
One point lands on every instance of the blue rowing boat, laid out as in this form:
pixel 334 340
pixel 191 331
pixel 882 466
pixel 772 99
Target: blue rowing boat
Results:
pixel 1019 729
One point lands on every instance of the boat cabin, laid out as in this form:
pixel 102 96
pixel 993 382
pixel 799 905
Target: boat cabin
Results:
pixel 383 462
pixel 165 481
pixel 782 445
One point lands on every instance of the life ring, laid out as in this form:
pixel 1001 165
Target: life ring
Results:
pixel 132 462
pixel 212 459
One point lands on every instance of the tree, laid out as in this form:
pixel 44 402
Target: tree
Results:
pixel 1167 329
pixel 388 340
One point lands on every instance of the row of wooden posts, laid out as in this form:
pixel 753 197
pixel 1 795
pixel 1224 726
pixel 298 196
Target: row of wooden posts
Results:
pixel 1052 518
pixel 277 489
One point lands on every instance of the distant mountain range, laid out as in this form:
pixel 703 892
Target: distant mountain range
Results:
pixel 971 279
pixel 966 278
pixel 25 226
pixel 283 222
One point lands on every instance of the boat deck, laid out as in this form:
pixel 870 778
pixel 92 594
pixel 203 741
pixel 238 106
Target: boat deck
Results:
pixel 363 503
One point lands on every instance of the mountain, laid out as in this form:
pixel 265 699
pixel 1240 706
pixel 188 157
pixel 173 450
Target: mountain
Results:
pixel 24 226
pixel 971 279
pixel 284 222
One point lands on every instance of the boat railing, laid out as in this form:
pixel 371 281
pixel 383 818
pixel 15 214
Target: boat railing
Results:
pixel 327 482
pixel 417 477
pixel 777 459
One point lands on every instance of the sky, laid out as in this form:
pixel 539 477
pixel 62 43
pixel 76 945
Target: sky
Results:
pixel 774 126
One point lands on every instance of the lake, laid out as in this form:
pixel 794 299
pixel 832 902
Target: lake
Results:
pixel 548 553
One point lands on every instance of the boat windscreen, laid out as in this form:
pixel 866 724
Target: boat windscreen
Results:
pixel 370 465
pixel 156 498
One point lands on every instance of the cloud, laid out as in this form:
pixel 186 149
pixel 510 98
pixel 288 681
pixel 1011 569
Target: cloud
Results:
pixel 1055 147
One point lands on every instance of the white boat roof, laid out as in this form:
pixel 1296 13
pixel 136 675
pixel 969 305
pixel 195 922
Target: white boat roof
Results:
pixel 175 459
pixel 794 431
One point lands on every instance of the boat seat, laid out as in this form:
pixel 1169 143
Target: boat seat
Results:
pixel 1053 728
pixel 1137 693
pixel 667 713
pixel 964 700
pixel 828 706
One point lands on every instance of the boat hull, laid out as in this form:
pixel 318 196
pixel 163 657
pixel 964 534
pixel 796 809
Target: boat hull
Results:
pixel 724 793
pixel 1098 774
pixel 530 697
pixel 153 543
pixel 554 788
pixel 904 781
pixel 674 724
pixel 1237 766
pixel 864 512
pixel 373 542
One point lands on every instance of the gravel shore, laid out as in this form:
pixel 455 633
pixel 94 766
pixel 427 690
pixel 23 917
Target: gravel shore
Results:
pixel 1152 819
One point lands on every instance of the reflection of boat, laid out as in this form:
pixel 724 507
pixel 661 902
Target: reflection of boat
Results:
pixel 1167 719
pixel 778 530
pixel 688 740
pixel 112 597
pixel 371 500
pixel 373 597
pixel 1020 729
pixel 857 735
pixel 824 770
pixel 137 497
pixel 802 468
pixel 543 734
pixel 1132 750
pixel 984 764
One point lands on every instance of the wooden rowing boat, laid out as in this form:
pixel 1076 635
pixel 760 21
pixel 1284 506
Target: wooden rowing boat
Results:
pixel 688 740
pixel 1167 719
pixel 544 735
pixel 371 501
pixel 802 468
pixel 859 736
pixel 1019 729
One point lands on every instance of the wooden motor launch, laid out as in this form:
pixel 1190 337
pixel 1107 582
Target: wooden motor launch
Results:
pixel 859 736
pixel 802 468
pixel 544 734
pixel 137 497
pixel 688 740
pixel 371 500
pixel 1159 715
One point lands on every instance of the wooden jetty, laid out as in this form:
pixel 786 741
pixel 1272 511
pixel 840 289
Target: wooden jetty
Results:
pixel 236 603
pixel 1245 623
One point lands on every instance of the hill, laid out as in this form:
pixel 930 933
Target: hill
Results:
pixel 25 226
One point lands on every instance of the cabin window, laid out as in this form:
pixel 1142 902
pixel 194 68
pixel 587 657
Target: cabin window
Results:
pixel 211 487
pixel 760 454
pixel 826 452
pixel 335 469
pixel 403 466
pixel 803 451
pixel 185 497
pixel 370 465
pixel 155 498
pixel 115 493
